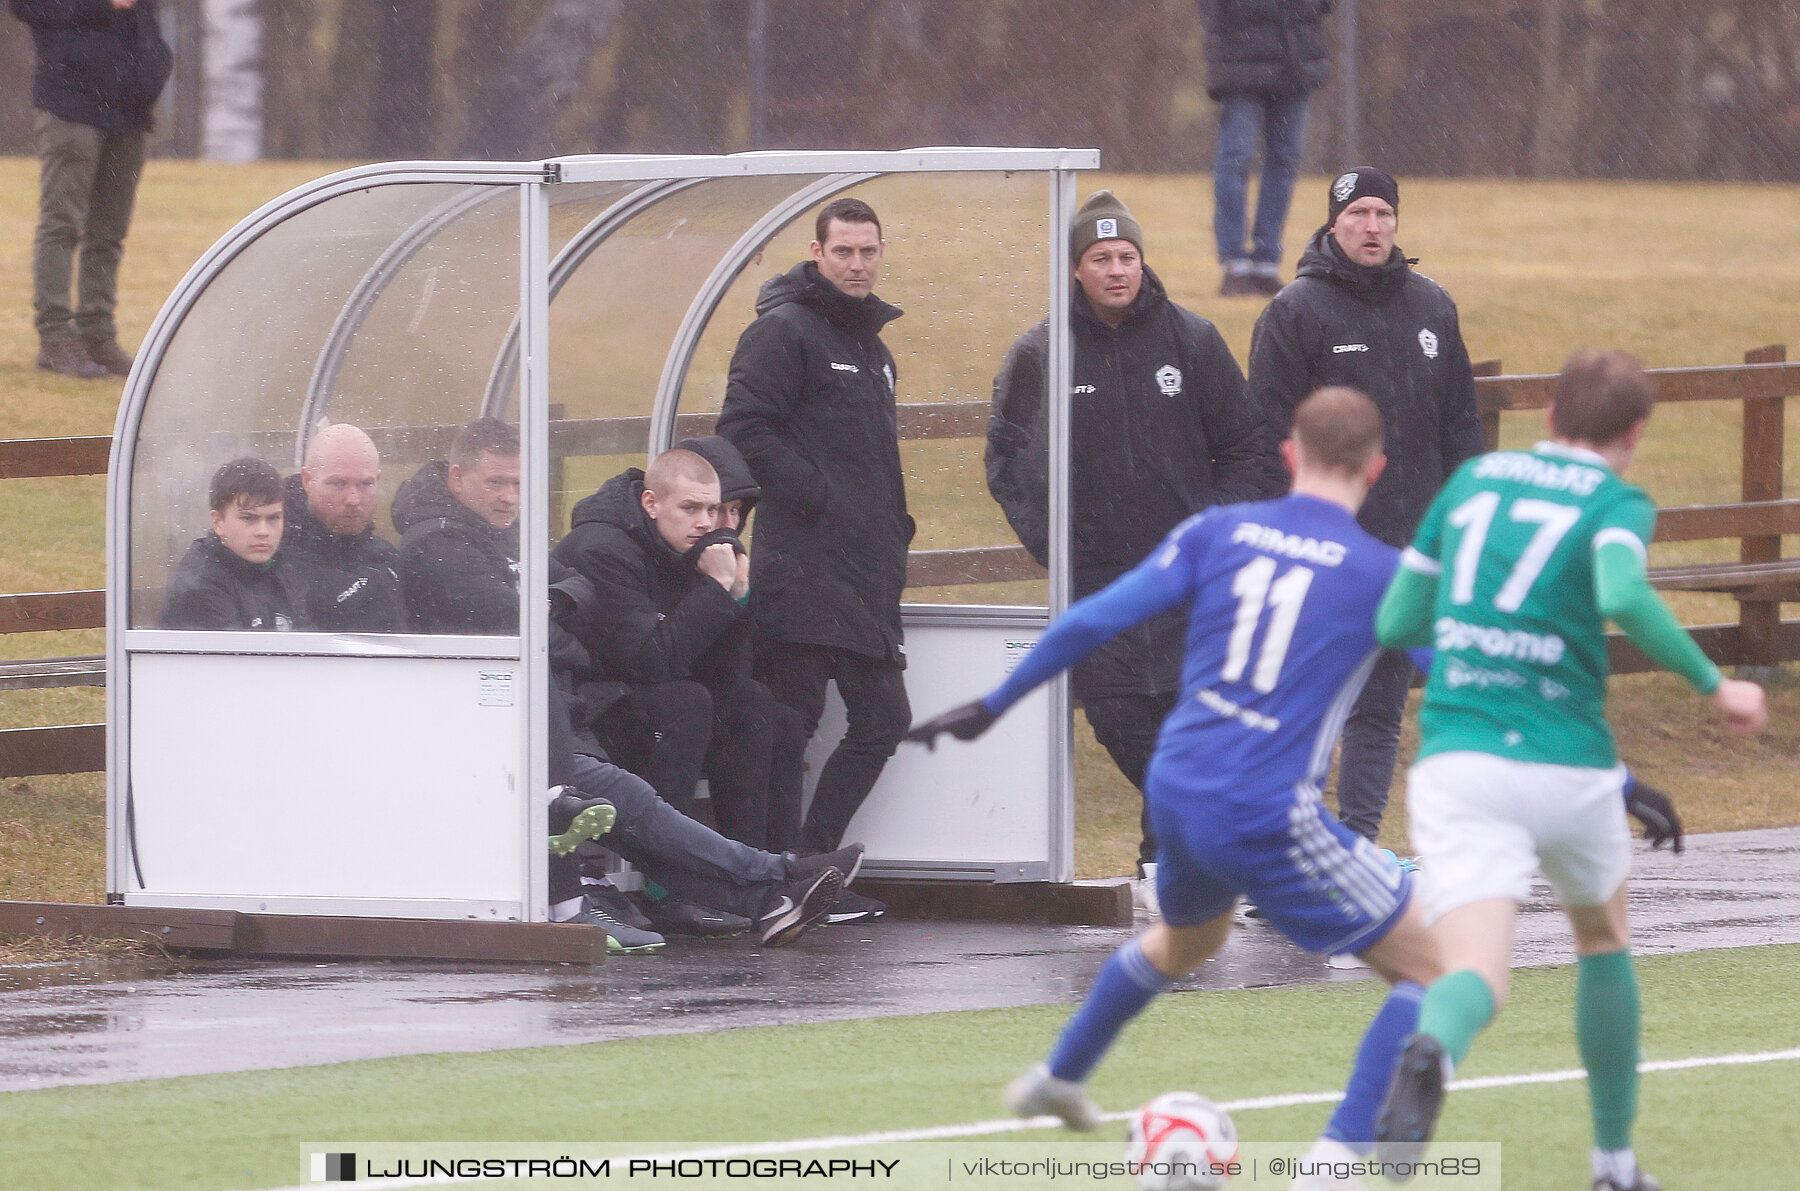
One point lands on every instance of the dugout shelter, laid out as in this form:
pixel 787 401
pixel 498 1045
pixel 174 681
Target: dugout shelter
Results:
pixel 594 302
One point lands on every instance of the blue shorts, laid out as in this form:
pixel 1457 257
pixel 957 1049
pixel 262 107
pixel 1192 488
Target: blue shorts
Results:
pixel 1319 883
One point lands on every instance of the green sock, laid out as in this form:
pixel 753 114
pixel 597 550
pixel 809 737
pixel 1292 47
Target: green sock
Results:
pixel 1607 1025
pixel 1456 1008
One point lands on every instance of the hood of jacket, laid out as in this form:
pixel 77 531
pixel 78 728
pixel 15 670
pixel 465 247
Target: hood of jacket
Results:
pixel 804 285
pixel 1325 259
pixel 427 496
pixel 735 480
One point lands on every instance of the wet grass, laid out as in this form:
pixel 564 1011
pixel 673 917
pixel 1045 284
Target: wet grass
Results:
pixel 1707 1127
pixel 1680 274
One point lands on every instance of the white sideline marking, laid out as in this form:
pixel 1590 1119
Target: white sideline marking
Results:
pixel 1013 1125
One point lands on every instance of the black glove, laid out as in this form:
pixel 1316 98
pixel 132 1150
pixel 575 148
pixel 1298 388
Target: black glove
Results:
pixel 717 537
pixel 1652 808
pixel 965 723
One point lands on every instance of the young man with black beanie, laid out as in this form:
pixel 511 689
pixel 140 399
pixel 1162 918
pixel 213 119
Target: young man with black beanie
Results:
pixel 1358 314
pixel 1159 429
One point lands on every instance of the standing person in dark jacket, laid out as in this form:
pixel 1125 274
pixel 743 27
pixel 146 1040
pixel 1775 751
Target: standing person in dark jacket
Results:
pixel 100 66
pixel 673 639
pixel 236 577
pixel 810 404
pixel 1358 315
pixel 459 544
pixel 352 574
pixel 1264 58
pixel 1159 428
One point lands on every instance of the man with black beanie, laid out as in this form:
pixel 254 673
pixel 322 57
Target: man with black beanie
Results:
pixel 1357 314
pixel 1159 429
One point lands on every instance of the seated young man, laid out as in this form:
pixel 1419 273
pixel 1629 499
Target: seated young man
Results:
pixel 235 576
pixel 673 649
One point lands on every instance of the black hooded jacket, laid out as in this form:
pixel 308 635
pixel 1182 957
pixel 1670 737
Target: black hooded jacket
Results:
pixel 458 573
pixel 656 617
pixel 1392 333
pixel 352 581
pixel 735 480
pixel 212 588
pixel 810 404
pixel 1264 47
pixel 96 64
pixel 1159 428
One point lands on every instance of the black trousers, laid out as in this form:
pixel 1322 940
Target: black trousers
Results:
pixel 878 715
pixel 1371 743
pixel 748 745
pixel 1127 727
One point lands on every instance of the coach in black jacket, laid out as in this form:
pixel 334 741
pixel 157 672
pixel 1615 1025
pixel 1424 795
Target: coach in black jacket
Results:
pixel 672 641
pixel 459 544
pixel 810 404
pixel 352 574
pixel 1358 315
pixel 1159 428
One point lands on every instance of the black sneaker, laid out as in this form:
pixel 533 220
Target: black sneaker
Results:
pixel 574 819
pixel 847 860
pixel 797 904
pixel 677 916
pixel 617 904
pixel 109 355
pixel 852 906
pixel 622 938
pixel 1410 1111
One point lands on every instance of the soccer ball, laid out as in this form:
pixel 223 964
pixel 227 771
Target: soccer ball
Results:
pixel 1180 1141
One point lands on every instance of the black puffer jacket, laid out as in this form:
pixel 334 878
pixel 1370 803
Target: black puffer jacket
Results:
pixel 657 617
pixel 352 580
pixel 1392 333
pixel 1159 428
pixel 458 573
pixel 212 588
pixel 96 64
pixel 1264 47
pixel 810 404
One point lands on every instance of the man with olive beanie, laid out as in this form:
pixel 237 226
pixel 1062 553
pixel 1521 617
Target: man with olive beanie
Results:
pixel 1159 429
pixel 1357 314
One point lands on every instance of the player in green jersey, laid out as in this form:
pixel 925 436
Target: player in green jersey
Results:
pixel 1518 565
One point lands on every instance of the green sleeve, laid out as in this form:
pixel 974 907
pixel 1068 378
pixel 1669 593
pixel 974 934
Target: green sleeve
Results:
pixel 1626 598
pixel 1404 618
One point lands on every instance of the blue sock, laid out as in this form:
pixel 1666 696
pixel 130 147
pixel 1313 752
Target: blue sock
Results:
pixel 1127 982
pixel 1354 1121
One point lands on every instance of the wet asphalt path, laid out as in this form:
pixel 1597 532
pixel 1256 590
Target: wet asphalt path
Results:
pixel 149 1018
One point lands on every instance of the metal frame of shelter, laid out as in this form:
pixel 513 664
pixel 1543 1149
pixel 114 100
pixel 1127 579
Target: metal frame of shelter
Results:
pixel 524 360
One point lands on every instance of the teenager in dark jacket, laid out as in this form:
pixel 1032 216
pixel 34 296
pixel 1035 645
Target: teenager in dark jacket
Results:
pixel 100 66
pixel 1159 428
pixel 459 543
pixel 352 574
pixel 674 637
pixel 237 576
pixel 1264 59
pixel 810 404
pixel 1359 315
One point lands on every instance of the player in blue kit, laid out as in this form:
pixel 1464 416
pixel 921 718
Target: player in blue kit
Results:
pixel 1282 597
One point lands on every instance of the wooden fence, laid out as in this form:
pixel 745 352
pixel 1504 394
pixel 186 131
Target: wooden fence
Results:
pixel 1761 579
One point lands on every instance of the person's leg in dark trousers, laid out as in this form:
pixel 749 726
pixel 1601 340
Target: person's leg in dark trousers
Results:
pixel 737 767
pixel 787 778
pixel 1127 727
pixel 121 163
pixel 1371 742
pixel 68 158
pixel 878 715
pixel 662 732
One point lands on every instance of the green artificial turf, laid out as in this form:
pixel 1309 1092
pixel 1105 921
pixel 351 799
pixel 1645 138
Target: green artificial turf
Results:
pixel 1711 1127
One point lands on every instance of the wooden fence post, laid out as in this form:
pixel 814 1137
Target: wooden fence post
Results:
pixel 1765 424
pixel 1490 419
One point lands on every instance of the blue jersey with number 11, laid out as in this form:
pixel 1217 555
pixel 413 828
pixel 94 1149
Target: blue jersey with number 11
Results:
pixel 1281 634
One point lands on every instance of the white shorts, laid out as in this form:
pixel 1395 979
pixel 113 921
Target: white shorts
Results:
pixel 1484 825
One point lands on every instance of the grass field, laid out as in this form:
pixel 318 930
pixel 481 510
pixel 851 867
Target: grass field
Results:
pixel 1681 274
pixel 1708 1126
